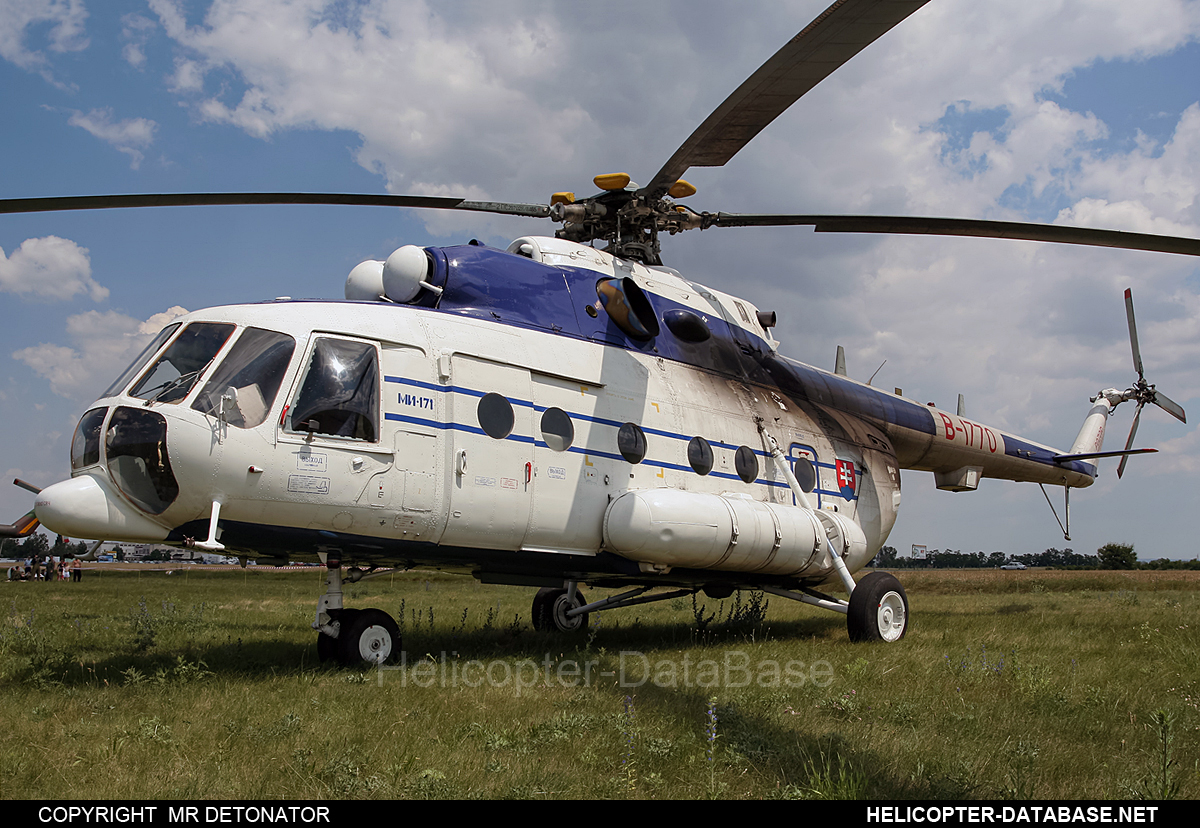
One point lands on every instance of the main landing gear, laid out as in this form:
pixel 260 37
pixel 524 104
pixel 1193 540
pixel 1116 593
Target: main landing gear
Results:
pixel 558 609
pixel 877 609
pixel 352 637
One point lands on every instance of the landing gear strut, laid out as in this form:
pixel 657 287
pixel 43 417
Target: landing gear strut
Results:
pixel 352 637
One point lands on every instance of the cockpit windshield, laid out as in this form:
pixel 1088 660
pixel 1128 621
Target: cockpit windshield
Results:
pixel 177 370
pixel 140 363
pixel 248 378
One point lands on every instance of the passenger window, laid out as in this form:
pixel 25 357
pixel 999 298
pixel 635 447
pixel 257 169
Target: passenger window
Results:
pixel 631 442
pixel 557 429
pixel 496 416
pixel 746 464
pixel 700 455
pixel 340 392
pixel 806 474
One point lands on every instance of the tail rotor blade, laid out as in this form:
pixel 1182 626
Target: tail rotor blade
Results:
pixel 1133 340
pixel 1129 443
pixel 1170 406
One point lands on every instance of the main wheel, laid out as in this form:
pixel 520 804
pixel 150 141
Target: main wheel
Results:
pixel 370 636
pixel 541 609
pixel 550 607
pixel 327 646
pixel 878 609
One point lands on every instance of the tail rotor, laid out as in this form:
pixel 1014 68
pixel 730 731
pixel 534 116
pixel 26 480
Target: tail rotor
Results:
pixel 1144 392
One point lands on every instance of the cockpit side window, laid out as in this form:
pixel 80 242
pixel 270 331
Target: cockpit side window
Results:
pixel 248 378
pixel 339 396
pixel 176 371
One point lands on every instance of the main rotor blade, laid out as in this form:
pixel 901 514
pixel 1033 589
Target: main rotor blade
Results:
pixel 1170 406
pixel 1133 340
pixel 1129 443
pixel 838 34
pixel 921 225
pixel 107 202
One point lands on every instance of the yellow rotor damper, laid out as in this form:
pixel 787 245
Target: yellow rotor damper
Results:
pixel 681 189
pixel 612 181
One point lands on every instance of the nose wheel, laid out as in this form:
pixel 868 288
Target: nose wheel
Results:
pixel 369 637
pixel 353 637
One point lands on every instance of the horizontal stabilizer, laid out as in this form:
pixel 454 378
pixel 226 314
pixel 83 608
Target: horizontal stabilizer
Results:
pixel 1058 458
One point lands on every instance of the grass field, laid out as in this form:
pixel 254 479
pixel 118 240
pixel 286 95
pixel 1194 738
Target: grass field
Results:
pixel 1033 684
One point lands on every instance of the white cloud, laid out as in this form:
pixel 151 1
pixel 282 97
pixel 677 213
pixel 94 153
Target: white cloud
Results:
pixel 400 74
pixel 65 33
pixel 102 344
pixel 1180 455
pixel 49 268
pixel 130 136
pixel 135 32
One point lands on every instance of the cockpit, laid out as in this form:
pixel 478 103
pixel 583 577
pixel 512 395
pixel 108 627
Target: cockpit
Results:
pixel 233 376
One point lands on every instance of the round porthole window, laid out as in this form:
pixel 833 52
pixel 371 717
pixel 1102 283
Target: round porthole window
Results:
pixel 496 416
pixel 746 464
pixel 700 455
pixel 557 429
pixel 631 442
pixel 806 474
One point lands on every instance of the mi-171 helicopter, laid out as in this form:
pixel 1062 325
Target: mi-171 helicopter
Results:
pixel 550 415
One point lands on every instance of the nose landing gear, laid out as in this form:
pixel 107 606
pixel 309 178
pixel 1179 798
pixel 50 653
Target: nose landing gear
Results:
pixel 353 637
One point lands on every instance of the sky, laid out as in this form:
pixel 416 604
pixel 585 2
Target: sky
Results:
pixel 1062 111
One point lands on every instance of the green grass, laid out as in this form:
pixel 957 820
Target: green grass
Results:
pixel 206 684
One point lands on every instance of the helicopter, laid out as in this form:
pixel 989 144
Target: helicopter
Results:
pixel 552 414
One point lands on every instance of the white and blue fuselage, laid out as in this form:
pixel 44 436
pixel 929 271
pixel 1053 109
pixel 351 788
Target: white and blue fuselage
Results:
pixel 547 412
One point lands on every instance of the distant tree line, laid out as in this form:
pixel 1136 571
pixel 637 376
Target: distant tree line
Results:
pixel 39 545
pixel 1109 556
